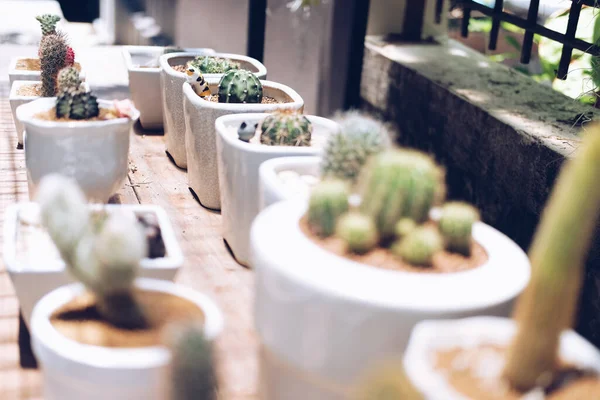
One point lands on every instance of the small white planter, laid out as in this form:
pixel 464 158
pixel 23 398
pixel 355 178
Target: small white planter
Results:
pixel 272 189
pixel 171 83
pixel 17 100
pixel 15 74
pixel 94 153
pixel 72 370
pixel 429 337
pixel 144 82
pixel 238 165
pixel 34 263
pixel 201 135
pixel 330 318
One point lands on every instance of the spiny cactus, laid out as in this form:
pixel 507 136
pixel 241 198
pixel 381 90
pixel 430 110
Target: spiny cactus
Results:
pixel 328 202
pixel 286 128
pixel 347 150
pixel 456 224
pixel 558 253
pixel 404 227
pixel 103 254
pixel 77 104
pixel 53 54
pixel 240 86
pixel 48 23
pixel 419 246
pixel 68 78
pixel 247 131
pixel 399 183
pixel 214 65
pixel 192 364
pixel 358 231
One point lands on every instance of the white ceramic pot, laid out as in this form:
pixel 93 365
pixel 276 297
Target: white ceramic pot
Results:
pixel 34 263
pixel 171 83
pixel 72 370
pixel 15 74
pixel 273 189
pixel 144 82
pixel 17 100
pixel 329 317
pixel 238 165
pixel 429 337
pixel 94 153
pixel 201 136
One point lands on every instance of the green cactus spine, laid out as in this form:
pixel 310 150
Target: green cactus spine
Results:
pixel 53 56
pixel 214 65
pixel 358 231
pixel 48 23
pixel 286 128
pixel 456 225
pixel 419 246
pixel 77 104
pixel 327 203
pixel 558 253
pixel 347 150
pixel 399 183
pixel 240 86
pixel 68 78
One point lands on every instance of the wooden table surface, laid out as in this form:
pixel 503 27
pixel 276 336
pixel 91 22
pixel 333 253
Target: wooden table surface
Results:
pixel 152 179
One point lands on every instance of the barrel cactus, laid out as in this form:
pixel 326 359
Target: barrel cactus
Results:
pixel 419 246
pixel 400 184
pixel 48 23
pixel 77 104
pixel 404 227
pixel 240 86
pixel 360 136
pixel 328 202
pixel 53 58
pixel 214 65
pixel 456 224
pixel 286 128
pixel 358 232
pixel 68 78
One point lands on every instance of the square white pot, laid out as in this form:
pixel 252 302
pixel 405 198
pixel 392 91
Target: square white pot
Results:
pixel 144 82
pixel 15 74
pixel 331 318
pixel 238 165
pixel 35 273
pixel 93 153
pixel 171 83
pixel 201 136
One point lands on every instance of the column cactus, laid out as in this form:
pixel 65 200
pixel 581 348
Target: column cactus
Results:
pixel 456 225
pixel 104 254
pixel 53 58
pixel 240 86
pixel 286 128
pixel 558 253
pixel 327 203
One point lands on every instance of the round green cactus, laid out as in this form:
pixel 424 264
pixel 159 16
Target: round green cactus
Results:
pixel 68 78
pixel 327 203
pixel 53 58
pixel 240 86
pixel 456 224
pixel 214 65
pixel 404 227
pixel 358 231
pixel 399 184
pixel 48 23
pixel 286 128
pixel 419 246
pixel 347 150
pixel 77 104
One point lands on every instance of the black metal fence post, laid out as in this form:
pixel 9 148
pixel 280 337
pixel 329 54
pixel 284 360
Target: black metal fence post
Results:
pixel 257 18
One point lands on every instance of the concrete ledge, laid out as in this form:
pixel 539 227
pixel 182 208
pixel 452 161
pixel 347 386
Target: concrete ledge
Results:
pixel 501 135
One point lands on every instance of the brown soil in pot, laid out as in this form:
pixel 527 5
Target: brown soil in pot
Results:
pixel 265 100
pixel 380 257
pixel 79 320
pixel 33 64
pixel 50 115
pixel 179 68
pixel 457 367
pixel 34 89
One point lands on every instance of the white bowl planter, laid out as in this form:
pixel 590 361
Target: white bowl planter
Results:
pixel 238 165
pixel 172 81
pixel 17 100
pixel 144 82
pixel 34 263
pixel 329 318
pixel 72 370
pixel 200 133
pixel 271 187
pixel 94 153
pixel 15 74
pixel 429 337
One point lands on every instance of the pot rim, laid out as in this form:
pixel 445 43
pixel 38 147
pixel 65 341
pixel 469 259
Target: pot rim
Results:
pixel 261 70
pixel 18 83
pixel 149 357
pixel 128 51
pixel 288 252
pixel 12 68
pixel 269 169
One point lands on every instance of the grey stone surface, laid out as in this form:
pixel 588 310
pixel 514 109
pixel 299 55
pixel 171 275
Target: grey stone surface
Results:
pixel 501 135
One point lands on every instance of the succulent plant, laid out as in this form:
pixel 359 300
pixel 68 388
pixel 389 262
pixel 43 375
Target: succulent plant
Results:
pixel 103 254
pixel 214 65
pixel 558 253
pixel 399 184
pixel 358 231
pixel 360 136
pixel 456 225
pixel 48 23
pixel 77 104
pixel 328 202
pixel 68 78
pixel 419 246
pixel 240 86
pixel 53 58
pixel 404 227
pixel 247 131
pixel 286 128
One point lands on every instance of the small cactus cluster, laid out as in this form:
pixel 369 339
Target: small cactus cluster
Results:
pixel 214 65
pixel 103 253
pixel 286 128
pixel 76 103
pixel 398 188
pixel 240 86
pixel 360 136
pixel 54 53
pixel 68 78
